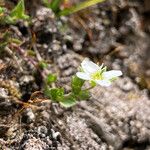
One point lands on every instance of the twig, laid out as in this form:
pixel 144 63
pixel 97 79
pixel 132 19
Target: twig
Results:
pixel 9 51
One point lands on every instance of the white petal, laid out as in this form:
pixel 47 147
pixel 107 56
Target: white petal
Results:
pixel 83 76
pixel 105 83
pixel 89 67
pixel 112 74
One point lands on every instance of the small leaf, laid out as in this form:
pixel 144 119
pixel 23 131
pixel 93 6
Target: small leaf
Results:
pixel 1 10
pixel 16 41
pixel 55 94
pixel 76 84
pixel 92 83
pixel 43 64
pixel 31 53
pixel 18 12
pixel 68 101
pixel 51 78
pixel 84 95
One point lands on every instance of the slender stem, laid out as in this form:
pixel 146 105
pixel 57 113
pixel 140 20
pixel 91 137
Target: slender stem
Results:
pixel 89 88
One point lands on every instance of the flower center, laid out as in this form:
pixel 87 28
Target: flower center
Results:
pixel 97 75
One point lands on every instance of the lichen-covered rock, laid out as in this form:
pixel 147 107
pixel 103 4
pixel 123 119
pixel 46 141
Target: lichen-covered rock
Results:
pixel 120 117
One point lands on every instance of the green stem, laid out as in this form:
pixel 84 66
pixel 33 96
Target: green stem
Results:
pixel 89 88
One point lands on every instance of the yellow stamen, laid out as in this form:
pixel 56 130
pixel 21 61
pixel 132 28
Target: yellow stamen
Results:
pixel 97 75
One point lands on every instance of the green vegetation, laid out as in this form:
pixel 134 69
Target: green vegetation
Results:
pixel 55 5
pixel 58 94
pixel 16 14
pixel 78 7
pixel 51 91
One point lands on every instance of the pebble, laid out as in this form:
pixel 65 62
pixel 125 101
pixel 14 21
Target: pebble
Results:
pixel 55 135
pixel 42 130
pixel 28 116
pixel 126 84
pixel 3 93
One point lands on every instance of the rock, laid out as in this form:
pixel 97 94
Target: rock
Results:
pixel 28 116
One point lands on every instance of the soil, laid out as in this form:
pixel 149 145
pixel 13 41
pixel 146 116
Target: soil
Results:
pixel 116 33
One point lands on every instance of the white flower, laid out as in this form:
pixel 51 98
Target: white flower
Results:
pixel 97 74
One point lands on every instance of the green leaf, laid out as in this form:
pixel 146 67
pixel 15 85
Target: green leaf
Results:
pixel 55 94
pixel 93 83
pixel 31 53
pixel 79 6
pixel 1 10
pixel 84 95
pixel 51 78
pixel 68 101
pixel 18 12
pixel 43 64
pixel 76 84
pixel 55 5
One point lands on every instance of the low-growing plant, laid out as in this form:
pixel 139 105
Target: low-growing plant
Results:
pixel 89 71
pixel 13 16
